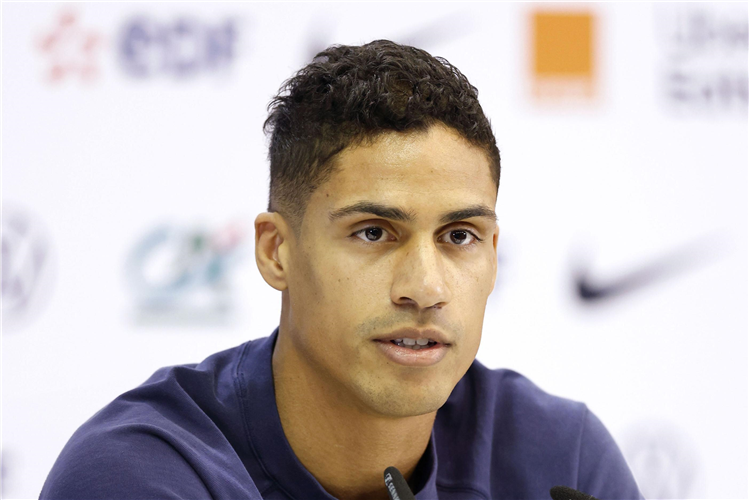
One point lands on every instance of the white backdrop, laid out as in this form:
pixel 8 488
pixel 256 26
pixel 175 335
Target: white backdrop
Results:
pixel 134 163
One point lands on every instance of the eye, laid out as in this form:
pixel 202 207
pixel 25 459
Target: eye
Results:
pixel 372 233
pixel 461 237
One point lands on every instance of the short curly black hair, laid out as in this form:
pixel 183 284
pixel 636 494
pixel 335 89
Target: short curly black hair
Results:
pixel 350 94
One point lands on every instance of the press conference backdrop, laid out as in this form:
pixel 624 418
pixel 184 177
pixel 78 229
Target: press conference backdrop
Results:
pixel 134 164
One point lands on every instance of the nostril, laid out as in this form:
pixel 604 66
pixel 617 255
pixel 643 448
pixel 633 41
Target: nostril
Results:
pixel 406 301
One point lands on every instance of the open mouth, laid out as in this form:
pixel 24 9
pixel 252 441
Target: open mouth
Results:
pixel 414 344
pixel 413 352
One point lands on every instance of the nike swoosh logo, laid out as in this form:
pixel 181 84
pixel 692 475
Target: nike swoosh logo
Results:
pixel 445 29
pixel 590 289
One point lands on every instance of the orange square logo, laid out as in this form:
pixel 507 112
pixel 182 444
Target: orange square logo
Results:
pixel 563 53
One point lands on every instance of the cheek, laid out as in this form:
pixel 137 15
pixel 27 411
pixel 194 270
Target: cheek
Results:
pixel 471 281
pixel 335 289
pixel 357 291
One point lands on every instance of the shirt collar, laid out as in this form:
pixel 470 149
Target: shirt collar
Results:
pixel 274 452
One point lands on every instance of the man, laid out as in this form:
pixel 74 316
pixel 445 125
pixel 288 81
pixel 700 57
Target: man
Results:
pixel 382 237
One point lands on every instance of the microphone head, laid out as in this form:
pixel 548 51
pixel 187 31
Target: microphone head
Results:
pixel 397 486
pixel 565 493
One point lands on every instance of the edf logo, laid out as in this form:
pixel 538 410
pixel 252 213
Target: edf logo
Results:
pixel 184 47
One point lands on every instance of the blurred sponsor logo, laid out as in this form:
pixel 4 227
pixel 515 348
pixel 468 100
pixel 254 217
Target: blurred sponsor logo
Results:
pixel 182 48
pixel 663 460
pixel 3 473
pixel 181 276
pixel 595 287
pixel 441 31
pixel 563 54
pixel 27 268
pixel 704 57
pixel 71 49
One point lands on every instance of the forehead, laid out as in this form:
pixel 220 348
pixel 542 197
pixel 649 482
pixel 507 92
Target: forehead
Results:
pixel 425 172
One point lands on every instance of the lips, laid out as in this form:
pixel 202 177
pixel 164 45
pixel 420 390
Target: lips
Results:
pixel 416 334
pixel 429 346
pixel 406 356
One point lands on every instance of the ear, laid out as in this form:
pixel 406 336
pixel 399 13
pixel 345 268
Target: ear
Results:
pixel 495 237
pixel 272 235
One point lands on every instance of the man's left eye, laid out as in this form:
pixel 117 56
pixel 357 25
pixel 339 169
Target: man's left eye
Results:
pixel 461 237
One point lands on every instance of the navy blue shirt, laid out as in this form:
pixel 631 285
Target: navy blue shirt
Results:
pixel 212 430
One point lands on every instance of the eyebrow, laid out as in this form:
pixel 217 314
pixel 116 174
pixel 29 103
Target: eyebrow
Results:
pixel 469 212
pixel 368 207
pixel 398 214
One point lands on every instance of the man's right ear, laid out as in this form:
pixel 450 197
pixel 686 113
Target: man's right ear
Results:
pixel 272 235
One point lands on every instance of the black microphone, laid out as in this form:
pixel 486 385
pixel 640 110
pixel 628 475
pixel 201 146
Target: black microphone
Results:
pixel 565 493
pixel 397 486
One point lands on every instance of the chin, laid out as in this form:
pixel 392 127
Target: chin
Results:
pixel 401 404
pixel 404 409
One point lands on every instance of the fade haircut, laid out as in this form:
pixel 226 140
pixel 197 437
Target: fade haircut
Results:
pixel 349 95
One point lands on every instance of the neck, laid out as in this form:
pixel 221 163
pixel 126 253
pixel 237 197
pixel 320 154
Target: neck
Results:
pixel 344 447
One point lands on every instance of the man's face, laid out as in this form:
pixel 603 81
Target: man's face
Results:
pixel 400 242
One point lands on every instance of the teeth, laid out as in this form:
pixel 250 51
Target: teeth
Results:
pixel 414 344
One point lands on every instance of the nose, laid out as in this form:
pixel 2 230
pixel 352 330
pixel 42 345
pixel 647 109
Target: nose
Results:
pixel 419 277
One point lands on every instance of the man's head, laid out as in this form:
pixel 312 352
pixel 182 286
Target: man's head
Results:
pixel 384 176
pixel 351 95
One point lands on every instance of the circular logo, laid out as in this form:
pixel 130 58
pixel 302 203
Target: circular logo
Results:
pixel 27 268
pixel 663 460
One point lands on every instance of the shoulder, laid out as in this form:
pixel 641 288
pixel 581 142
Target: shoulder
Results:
pixel 517 430
pixel 505 410
pixel 121 461
pixel 170 437
pixel 506 394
